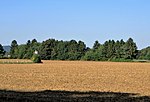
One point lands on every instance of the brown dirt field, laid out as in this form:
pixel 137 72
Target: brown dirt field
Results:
pixel 77 76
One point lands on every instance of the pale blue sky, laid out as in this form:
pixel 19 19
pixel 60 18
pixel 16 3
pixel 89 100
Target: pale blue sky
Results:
pixel 86 20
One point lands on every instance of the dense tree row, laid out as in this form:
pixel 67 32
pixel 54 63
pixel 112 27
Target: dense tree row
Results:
pixel 112 50
pixel 52 49
pixel 62 50
pixel 24 51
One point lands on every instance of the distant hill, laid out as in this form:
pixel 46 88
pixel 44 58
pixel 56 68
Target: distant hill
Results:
pixel 6 48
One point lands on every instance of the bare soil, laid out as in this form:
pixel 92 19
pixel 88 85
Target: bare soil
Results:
pixel 77 76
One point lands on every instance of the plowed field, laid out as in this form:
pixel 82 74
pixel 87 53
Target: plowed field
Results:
pixel 77 75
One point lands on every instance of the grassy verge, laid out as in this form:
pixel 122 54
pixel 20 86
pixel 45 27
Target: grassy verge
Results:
pixel 142 61
pixel 121 60
pixel 15 61
pixel 129 60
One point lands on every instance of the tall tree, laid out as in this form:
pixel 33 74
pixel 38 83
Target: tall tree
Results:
pixel 109 49
pixel 28 43
pixel 81 48
pixel 130 49
pixel 105 50
pixel 96 45
pixel 46 49
pixel 117 49
pixel 2 52
pixel 122 52
pixel 62 50
pixel 27 51
pixel 72 50
pixel 31 46
pixel 22 51
pixel 33 41
pixel 14 49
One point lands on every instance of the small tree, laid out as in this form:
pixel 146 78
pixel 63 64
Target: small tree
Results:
pixel 36 58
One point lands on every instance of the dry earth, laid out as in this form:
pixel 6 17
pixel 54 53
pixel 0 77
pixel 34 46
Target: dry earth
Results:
pixel 77 75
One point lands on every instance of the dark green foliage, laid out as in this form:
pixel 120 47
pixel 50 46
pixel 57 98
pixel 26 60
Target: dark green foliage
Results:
pixel 36 58
pixel 117 48
pixel 2 52
pixel 111 51
pixel 26 51
pixel 144 54
pixel 47 49
pixel 130 49
pixel 22 51
pixel 96 45
pixel 14 49
pixel 94 54
pixel 30 48
pixel 62 50
pixel 33 41
pixel 52 49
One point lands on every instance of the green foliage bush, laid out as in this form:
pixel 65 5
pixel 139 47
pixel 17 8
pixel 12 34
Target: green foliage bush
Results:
pixel 36 58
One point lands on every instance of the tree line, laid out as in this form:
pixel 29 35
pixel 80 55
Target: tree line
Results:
pixel 53 49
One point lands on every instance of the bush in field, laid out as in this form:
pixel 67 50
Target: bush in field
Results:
pixel 36 58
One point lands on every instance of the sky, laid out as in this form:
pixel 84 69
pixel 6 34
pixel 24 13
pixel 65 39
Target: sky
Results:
pixel 86 20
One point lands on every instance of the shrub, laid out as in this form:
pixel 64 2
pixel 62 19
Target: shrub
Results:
pixel 36 58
